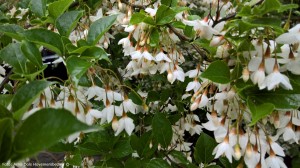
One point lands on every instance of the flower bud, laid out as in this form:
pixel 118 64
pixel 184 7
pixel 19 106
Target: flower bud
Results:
pixel 115 124
pixel 237 152
pixel 249 150
pixel 170 76
pixel 245 74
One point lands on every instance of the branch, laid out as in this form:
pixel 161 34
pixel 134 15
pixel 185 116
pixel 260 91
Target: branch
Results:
pixel 224 19
pixel 5 80
pixel 137 6
pixel 185 38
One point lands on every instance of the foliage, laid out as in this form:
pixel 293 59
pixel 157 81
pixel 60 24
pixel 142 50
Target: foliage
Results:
pixel 146 78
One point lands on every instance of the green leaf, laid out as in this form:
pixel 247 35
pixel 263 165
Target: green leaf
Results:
pixel 13 31
pixel 95 53
pixel 228 164
pixel 217 72
pixel 99 27
pixel 152 96
pixel 158 163
pixel 237 71
pixel 6 138
pixel 164 15
pixel 204 149
pixel 137 18
pixel 142 144
pixel 32 53
pixel 268 6
pixel 162 129
pixel 132 162
pixel 43 129
pixel 259 111
pixel 180 157
pixel 4 113
pixel 47 38
pixel 282 99
pixel 121 149
pixel 13 55
pixel 154 38
pixel 66 22
pixel 77 67
pixel 5 99
pixel 169 2
pixel 38 7
pixel 58 7
pixel 245 11
pixel 26 95
pixel 75 160
pixel 135 98
pixel 287 7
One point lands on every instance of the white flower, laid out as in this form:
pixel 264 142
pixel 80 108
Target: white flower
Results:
pixel 128 105
pixel 274 161
pixel 194 85
pixel 224 148
pixel 125 42
pixel 162 56
pixel 147 55
pixel 94 91
pixel 97 16
pixel 291 37
pixel 125 123
pixel 276 78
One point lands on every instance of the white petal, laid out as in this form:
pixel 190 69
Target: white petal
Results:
pixel 129 126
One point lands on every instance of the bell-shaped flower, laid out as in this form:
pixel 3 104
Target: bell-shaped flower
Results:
pixel 98 15
pixel 276 78
pixel 274 161
pixel 224 148
pixel 125 123
pixel 193 85
pixel 94 91
pixel 161 56
pixel 128 105
pixel 291 37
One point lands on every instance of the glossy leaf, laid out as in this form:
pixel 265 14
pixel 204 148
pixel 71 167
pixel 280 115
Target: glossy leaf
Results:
pixel 204 149
pixel 268 6
pixel 259 111
pixel 135 98
pixel 164 15
pixel 162 129
pixel 121 149
pixel 6 138
pixel 32 53
pixel 237 72
pixel 43 129
pixel 13 55
pixel 5 99
pixel 137 18
pixel 4 113
pixel 217 72
pixel 66 22
pixel 282 99
pixel 154 38
pixel 13 31
pixel 58 7
pixel 95 53
pixel 38 7
pixel 26 95
pixel 47 38
pixel 99 27
pixel 77 67
pixel 158 163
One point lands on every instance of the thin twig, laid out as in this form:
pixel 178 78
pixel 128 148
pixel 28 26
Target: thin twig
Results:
pixel 5 80
pixel 137 6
